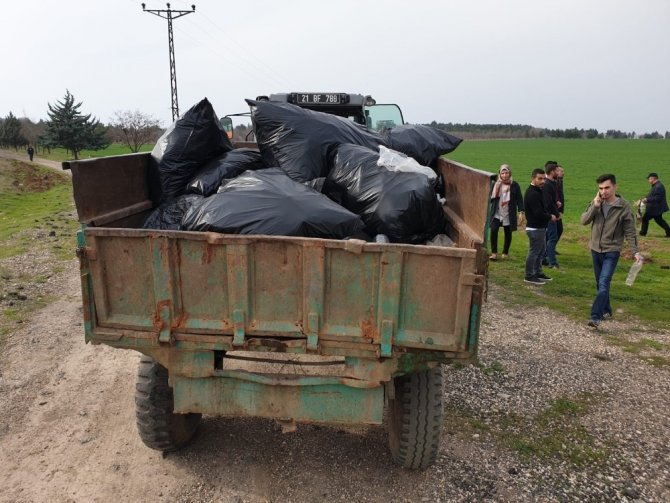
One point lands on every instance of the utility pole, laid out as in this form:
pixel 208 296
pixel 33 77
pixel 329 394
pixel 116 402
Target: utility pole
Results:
pixel 170 14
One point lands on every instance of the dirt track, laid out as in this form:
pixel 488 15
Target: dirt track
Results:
pixel 20 156
pixel 68 433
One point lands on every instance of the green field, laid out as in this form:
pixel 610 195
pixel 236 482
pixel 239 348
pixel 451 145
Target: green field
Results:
pixel 60 154
pixel 573 288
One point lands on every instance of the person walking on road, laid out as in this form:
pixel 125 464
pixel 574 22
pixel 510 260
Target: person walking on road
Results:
pixel 537 217
pixel 611 219
pixel 657 204
pixel 31 152
pixel 506 201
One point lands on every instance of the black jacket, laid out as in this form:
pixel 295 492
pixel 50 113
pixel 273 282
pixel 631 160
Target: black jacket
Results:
pixel 515 205
pixel 550 192
pixel 657 204
pixel 537 215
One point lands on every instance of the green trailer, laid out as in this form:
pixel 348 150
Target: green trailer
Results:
pixel 295 329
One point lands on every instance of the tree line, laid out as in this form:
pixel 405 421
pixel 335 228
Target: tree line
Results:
pixel 506 131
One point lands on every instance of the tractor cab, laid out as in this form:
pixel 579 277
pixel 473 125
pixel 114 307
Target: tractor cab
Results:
pixel 358 108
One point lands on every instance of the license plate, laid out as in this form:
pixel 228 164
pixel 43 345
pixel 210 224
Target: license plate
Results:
pixel 318 99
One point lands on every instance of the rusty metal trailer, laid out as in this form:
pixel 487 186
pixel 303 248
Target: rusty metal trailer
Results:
pixel 295 329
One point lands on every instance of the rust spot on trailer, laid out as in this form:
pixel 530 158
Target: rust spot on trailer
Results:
pixel 207 255
pixel 369 330
pixel 158 323
pixel 181 320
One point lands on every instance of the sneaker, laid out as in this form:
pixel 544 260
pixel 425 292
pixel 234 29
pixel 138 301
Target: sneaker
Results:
pixel 554 266
pixel 607 316
pixel 493 256
pixel 643 233
pixel 544 277
pixel 594 323
pixel 534 280
pixel 504 255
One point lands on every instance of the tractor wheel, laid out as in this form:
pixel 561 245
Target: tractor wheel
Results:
pixel 415 419
pixel 159 427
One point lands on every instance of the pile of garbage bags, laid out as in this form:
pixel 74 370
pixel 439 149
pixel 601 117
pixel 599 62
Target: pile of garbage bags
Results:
pixel 313 175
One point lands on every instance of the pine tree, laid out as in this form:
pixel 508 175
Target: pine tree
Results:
pixel 69 129
pixel 11 134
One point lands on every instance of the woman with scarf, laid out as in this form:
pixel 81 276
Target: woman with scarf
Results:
pixel 506 201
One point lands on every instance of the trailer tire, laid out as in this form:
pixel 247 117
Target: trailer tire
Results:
pixel 415 418
pixel 159 427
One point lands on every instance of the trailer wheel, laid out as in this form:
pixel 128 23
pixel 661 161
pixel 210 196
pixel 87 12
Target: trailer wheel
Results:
pixel 159 427
pixel 415 419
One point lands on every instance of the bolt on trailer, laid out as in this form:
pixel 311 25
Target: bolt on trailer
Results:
pixel 300 330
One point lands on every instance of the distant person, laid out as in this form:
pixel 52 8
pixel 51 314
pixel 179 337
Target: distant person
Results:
pixel 506 201
pixel 31 152
pixel 560 173
pixel 611 220
pixel 657 204
pixel 537 217
pixel 551 202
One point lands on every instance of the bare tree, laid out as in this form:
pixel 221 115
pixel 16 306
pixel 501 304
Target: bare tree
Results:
pixel 136 128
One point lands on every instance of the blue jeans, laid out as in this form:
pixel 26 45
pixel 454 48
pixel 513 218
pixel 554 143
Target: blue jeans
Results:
pixel 552 240
pixel 536 248
pixel 604 265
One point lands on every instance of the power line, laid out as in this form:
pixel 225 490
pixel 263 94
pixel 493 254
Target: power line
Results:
pixel 170 14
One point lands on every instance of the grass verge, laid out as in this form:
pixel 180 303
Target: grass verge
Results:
pixel 37 218
pixel 35 205
pixel 641 349
pixel 555 434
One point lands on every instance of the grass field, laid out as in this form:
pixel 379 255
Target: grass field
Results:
pixel 60 154
pixel 573 288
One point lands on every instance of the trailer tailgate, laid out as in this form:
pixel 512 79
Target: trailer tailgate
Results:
pixel 189 283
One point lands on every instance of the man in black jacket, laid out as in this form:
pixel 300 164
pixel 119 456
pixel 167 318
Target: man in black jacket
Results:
pixel 552 204
pixel 657 204
pixel 537 217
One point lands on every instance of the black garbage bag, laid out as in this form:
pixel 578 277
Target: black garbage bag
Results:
pixel 301 141
pixel 269 202
pixel 402 205
pixel 225 166
pixel 188 144
pixel 424 143
pixel 168 216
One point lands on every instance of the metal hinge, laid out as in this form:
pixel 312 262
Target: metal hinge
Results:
pixel 238 327
pixel 386 345
pixel 312 332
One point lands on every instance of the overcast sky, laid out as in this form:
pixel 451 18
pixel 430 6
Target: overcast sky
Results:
pixel 547 63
